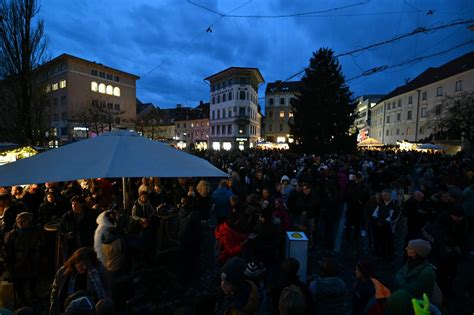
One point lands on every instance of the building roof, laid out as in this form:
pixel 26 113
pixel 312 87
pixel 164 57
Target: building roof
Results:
pixel 64 55
pixel 431 75
pixel 233 69
pixel 281 86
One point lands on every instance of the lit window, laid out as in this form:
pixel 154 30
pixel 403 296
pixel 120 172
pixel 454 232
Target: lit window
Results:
pixel 48 88
pixel 55 86
pixel 62 84
pixel 94 86
pixel 290 114
pixel 226 146
pixel 109 90
pixel 282 114
pixel 102 88
pixel 116 91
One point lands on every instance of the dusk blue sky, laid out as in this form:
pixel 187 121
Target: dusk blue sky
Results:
pixel 170 38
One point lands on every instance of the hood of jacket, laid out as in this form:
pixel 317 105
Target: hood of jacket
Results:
pixel 103 220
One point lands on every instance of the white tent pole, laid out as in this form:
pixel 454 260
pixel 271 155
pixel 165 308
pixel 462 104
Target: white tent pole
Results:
pixel 124 189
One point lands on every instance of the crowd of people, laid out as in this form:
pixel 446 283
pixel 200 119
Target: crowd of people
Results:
pixel 415 211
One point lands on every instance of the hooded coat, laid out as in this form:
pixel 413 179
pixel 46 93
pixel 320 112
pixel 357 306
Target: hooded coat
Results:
pixel 229 241
pixel 103 223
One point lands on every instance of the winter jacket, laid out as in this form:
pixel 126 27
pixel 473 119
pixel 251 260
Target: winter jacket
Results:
pixel 282 214
pixel 189 228
pixel 328 295
pixel 229 241
pixel 48 210
pixel 112 249
pixel 61 287
pixel 416 277
pixel 244 301
pixel 82 230
pixel 103 223
pixel 220 199
pixel 22 247
pixel 142 211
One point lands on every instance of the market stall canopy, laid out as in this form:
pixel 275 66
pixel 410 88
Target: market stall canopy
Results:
pixel 370 142
pixel 111 155
pixel 430 146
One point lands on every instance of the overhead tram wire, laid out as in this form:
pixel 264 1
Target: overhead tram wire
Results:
pixel 411 61
pixel 185 45
pixel 396 38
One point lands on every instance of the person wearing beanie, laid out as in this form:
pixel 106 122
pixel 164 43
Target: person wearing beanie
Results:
pixel 417 276
pixel 255 272
pixel 238 294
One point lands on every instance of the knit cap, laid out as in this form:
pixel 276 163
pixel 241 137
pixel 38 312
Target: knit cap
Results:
pixel 421 247
pixel 254 270
pixel 233 270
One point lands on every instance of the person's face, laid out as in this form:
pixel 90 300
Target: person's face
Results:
pixel 445 197
pixel 418 197
pixel 182 181
pixel 386 196
pixel 306 190
pixel 265 194
pixel 143 198
pixel 410 251
pixel 14 191
pixel 145 181
pixel 76 206
pixel 157 189
pixel 81 267
pixel 21 223
pixel 359 274
pixel 50 198
pixel 226 287
pixel 278 187
pixel 259 175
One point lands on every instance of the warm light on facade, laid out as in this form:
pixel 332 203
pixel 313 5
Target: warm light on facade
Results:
pixel 281 139
pixel 94 86
pixel 109 90
pixel 102 88
pixel 226 146
pixel 116 91
pixel 62 84
pixel 216 146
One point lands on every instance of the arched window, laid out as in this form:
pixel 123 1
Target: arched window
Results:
pixel 94 86
pixel 116 91
pixel 102 88
pixel 109 90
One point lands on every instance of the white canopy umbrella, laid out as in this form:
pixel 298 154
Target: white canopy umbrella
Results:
pixel 111 155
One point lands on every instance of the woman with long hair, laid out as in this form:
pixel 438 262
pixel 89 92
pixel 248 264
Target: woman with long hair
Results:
pixel 81 272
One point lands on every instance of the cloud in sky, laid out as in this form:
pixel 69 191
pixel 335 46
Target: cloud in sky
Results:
pixel 170 38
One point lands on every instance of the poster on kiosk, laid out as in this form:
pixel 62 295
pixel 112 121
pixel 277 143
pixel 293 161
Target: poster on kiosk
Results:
pixel 297 247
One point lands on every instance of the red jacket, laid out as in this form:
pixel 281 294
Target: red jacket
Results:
pixel 229 240
pixel 282 214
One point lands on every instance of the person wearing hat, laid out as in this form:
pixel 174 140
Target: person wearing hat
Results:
pixel 22 256
pixel 239 296
pixel 255 272
pixel 286 188
pixel 417 276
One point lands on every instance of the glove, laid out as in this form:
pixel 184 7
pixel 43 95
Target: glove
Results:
pixel 421 307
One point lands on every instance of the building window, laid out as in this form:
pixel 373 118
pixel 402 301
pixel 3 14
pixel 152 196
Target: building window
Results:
pixel 184 125
pixel 408 131
pixel 55 103
pixel 270 100
pixel 388 119
pixel 410 100
pixel 439 91
pixel 242 95
pixel 230 96
pixel 270 127
pixel 458 86
pixel 55 86
pixel 218 130
pixel 102 88
pixel 241 111
pixel 399 116
pixel 102 75
pixel 423 96
pixel 213 100
pixel 62 84
pixel 223 113
pixel 409 115
pixel 422 130
pixel 398 132
pixel 282 101
pixel 229 114
pixel 212 129
pixel 388 106
pixel 48 88
pixel 109 90
pixel 438 110
pixel 218 113
pixel 218 99
pixel 109 76
pixel 94 72
pixel 387 132
pixel 292 101
pixel 116 79
pixel 110 105
pixel 116 91
pixel 282 114
pixel 223 97
pixel 223 129
pixel 229 129
pixel 270 114
pixel 281 127
pixel 63 100
pixel 399 103
pixel 117 107
pixel 423 112
pixel 94 86
pixel 290 114
pixel 102 104
pixel 64 116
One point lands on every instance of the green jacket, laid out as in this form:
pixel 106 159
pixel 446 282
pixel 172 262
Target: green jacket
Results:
pixel 416 278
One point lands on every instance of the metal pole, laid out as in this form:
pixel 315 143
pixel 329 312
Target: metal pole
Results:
pixel 124 191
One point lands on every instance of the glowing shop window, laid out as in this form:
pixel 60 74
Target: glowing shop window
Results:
pixel 226 146
pixel 282 114
pixel 48 88
pixel 241 147
pixel 62 84
pixel 102 88
pixel 94 86
pixel 281 139
pixel 216 146
pixel 55 86
pixel 251 145
pixel 109 90
pixel 116 91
